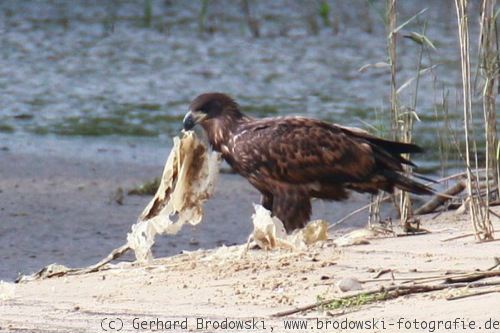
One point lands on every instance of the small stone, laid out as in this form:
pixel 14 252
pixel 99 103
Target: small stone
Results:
pixel 349 284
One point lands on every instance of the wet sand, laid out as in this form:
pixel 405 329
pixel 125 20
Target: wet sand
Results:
pixel 64 210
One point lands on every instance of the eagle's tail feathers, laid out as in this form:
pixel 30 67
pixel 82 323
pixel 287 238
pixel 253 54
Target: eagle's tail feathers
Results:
pixel 395 147
pixel 427 179
pixel 407 184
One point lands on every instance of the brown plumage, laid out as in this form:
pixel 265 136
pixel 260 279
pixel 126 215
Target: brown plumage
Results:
pixel 293 159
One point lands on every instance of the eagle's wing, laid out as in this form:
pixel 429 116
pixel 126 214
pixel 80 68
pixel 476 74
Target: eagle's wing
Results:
pixel 301 150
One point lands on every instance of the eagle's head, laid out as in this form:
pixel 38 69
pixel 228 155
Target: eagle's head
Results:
pixel 210 108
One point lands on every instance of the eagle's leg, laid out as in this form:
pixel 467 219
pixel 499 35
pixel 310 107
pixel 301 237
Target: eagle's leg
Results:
pixel 267 201
pixel 292 208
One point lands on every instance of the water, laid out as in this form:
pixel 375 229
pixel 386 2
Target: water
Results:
pixel 103 68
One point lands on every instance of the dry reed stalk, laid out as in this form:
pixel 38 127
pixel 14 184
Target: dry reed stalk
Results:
pixel 444 144
pixel 479 216
pixel 253 24
pixel 407 127
pixel 401 123
pixel 202 16
pixel 391 49
pixel 374 206
pixel 373 210
pixel 489 68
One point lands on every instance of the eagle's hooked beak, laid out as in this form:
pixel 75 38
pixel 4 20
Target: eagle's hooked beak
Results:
pixel 191 119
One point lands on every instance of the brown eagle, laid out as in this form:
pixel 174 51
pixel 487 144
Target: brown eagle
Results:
pixel 293 159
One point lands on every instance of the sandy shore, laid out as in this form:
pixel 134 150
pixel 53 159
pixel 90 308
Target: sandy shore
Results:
pixel 220 283
pixel 60 208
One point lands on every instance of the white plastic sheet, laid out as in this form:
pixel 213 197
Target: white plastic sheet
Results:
pixel 7 290
pixel 269 232
pixel 188 180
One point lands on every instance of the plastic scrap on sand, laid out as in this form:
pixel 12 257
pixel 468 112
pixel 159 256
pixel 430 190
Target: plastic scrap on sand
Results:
pixel 356 237
pixel 269 232
pixel 187 182
pixel 7 290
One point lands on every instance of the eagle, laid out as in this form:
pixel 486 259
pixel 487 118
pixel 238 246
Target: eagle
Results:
pixel 292 159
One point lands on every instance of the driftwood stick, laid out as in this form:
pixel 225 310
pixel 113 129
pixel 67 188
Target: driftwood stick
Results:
pixel 45 272
pixel 359 210
pixel 497 263
pixel 403 279
pixel 462 236
pixel 341 312
pixel 302 308
pixel 493 213
pixel 400 289
pixel 410 233
pixel 382 272
pixel 463 278
pixel 477 293
pixel 116 253
pixel 392 292
pixel 440 198
pixel 449 279
pixel 457 237
pixel 462 174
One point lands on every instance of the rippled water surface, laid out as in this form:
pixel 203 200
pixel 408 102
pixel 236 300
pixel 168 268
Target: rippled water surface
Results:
pixel 92 91
pixel 129 68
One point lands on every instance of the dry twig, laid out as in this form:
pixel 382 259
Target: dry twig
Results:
pixel 478 293
pixel 462 236
pixel 390 292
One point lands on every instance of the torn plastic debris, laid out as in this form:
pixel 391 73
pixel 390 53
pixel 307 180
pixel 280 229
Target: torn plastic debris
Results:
pixel 187 182
pixel 7 290
pixel 269 232
pixel 356 237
